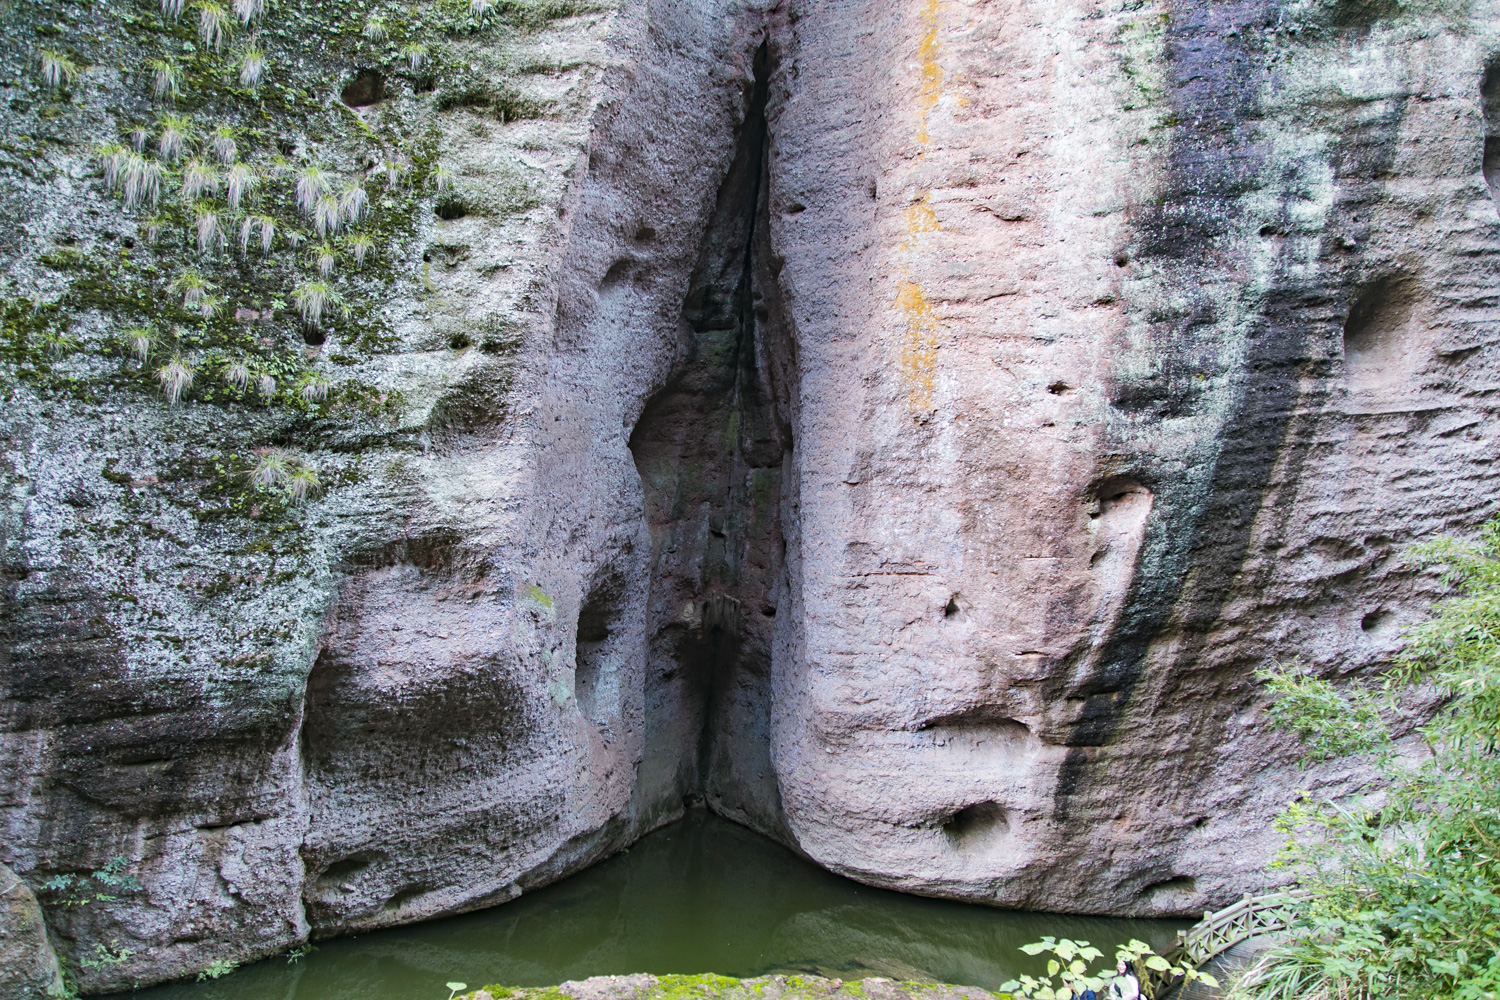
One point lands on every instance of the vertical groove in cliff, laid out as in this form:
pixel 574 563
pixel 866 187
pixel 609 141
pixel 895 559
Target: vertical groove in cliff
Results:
pixel 709 447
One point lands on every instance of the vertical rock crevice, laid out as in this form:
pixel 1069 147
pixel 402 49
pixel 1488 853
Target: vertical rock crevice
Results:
pixel 710 448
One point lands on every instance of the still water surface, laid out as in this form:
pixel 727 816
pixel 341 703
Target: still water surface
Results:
pixel 703 895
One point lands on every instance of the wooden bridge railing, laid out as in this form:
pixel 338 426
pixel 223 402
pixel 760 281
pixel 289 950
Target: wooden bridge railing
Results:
pixel 1218 932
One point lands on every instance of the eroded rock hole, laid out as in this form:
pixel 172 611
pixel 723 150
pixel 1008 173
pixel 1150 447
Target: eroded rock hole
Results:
pixel 364 90
pixel 1489 90
pixel 1379 342
pixel 451 207
pixel 977 826
pixel 597 652
pixel 710 449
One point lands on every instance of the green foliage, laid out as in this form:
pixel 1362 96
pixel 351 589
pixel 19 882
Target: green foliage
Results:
pixel 221 967
pixel 105 885
pixel 1405 885
pixel 105 957
pixel 1331 723
pixel 1069 974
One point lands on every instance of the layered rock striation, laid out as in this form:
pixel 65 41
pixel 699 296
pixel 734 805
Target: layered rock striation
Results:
pixel 905 427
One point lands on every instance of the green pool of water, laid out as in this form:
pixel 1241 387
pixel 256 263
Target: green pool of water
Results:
pixel 702 895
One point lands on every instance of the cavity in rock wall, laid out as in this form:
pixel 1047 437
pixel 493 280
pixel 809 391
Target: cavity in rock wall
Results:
pixel 710 448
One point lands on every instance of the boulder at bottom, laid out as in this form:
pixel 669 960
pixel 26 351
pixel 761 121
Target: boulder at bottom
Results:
pixel 28 966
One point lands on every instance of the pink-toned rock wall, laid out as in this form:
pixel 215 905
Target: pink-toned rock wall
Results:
pixel 903 427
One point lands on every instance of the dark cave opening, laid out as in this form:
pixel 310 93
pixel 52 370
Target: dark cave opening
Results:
pixel 710 447
pixel 1489 92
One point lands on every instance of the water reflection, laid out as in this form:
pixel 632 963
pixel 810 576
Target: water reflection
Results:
pixel 703 895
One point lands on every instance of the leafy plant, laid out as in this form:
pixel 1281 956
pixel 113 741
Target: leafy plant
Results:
pixel 200 179
pixel 272 469
pixel 171 9
pixel 375 29
pixel 101 886
pixel 360 246
pixel 206 224
pixel 237 374
pixel 105 957
pixel 415 55
pixel 315 389
pixel 141 341
pixel 1405 884
pixel 192 286
pixel 1069 975
pixel 304 484
pixel 312 183
pixel 324 257
pixel 353 203
pixel 220 967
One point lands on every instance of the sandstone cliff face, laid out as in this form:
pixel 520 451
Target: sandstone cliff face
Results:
pixel 904 426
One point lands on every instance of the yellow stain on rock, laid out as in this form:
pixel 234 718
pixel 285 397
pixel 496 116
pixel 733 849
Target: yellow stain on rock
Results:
pixel 921 333
pixel 919 345
pixel 932 71
pixel 920 218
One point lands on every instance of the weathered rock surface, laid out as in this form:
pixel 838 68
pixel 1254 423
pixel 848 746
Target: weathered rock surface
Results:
pixel 905 426
pixel 28 967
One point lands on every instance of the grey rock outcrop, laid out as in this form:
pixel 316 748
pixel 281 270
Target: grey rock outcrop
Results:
pixel 906 427
pixel 28 966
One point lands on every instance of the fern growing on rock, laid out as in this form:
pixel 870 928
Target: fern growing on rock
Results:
pixel 239 180
pixel 174 132
pixel 57 69
pixel 360 246
pixel 192 286
pixel 252 66
pixel 213 24
pixel 140 341
pixel 200 179
pixel 303 484
pixel 223 144
pixel 166 79
pixel 267 226
pixel 176 377
pixel 249 10
pixel 314 298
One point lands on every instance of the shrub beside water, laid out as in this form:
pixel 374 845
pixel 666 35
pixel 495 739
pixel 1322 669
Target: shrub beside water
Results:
pixel 1405 884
